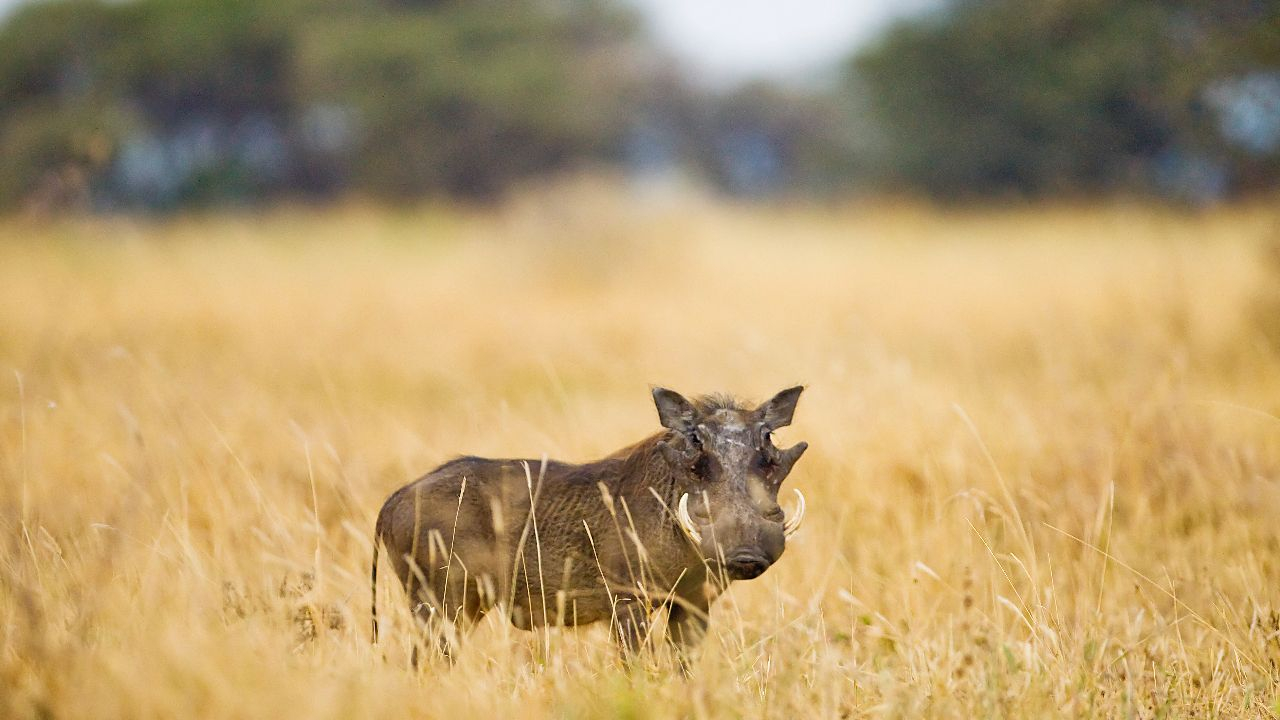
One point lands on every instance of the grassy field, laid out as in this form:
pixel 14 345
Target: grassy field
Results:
pixel 1044 474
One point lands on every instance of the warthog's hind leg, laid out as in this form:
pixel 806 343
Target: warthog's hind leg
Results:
pixel 432 638
pixel 442 624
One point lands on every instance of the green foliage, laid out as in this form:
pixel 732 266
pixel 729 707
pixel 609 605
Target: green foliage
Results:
pixel 161 103
pixel 55 48
pixel 223 96
pixel 218 57
pixel 51 154
pixel 461 98
pixel 1042 96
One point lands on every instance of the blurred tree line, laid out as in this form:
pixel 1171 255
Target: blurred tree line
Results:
pixel 1175 97
pixel 167 103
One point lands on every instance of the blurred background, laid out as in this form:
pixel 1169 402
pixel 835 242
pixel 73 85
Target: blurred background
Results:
pixel 164 104
pixel 263 262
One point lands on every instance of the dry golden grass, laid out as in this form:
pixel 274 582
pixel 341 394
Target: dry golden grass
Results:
pixel 1044 477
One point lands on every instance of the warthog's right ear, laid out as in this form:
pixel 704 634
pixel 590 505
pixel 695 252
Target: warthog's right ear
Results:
pixel 778 410
pixel 674 411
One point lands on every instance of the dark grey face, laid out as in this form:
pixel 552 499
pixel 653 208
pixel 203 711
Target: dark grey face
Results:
pixel 731 473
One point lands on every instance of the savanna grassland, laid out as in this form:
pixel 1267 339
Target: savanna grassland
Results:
pixel 1044 473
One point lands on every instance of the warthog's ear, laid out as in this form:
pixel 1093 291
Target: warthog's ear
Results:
pixel 777 411
pixel 674 411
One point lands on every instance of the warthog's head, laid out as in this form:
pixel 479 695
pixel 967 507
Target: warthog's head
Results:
pixel 729 473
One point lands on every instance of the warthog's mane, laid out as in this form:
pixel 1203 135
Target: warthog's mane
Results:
pixel 710 403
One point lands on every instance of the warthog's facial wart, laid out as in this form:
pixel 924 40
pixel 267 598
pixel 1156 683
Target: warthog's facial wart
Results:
pixel 731 473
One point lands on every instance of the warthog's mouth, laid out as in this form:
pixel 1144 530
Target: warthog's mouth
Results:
pixel 745 566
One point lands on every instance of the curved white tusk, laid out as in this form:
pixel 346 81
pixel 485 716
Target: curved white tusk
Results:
pixel 686 522
pixel 792 524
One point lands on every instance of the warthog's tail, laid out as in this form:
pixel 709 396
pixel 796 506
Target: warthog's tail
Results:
pixel 373 584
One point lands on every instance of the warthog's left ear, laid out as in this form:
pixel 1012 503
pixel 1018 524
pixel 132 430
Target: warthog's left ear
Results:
pixel 674 411
pixel 777 411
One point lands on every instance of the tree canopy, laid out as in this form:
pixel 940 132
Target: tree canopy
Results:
pixel 168 103
pixel 1076 96
pixel 165 102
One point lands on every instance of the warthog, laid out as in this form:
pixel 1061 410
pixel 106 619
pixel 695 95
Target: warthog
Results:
pixel 667 522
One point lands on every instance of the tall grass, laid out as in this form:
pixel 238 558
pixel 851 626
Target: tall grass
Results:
pixel 1044 475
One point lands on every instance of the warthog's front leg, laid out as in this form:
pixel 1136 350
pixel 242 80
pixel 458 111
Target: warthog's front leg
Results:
pixel 686 628
pixel 633 626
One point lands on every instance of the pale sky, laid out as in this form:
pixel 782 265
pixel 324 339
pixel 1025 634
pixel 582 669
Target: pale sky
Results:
pixel 733 40
pixel 726 41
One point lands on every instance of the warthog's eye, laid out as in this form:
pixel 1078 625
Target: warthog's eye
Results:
pixel 695 456
pixel 767 447
pixel 768 453
pixel 775 514
pixel 766 460
pixel 702 467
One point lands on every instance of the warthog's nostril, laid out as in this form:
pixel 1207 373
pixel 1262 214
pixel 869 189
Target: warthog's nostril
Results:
pixel 746 565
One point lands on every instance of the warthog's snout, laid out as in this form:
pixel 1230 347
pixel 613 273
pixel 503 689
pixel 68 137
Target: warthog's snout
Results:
pixel 745 565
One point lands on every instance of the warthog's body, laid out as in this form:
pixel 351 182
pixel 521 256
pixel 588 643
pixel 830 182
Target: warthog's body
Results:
pixel 611 539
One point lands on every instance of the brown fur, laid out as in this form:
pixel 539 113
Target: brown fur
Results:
pixel 602 542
